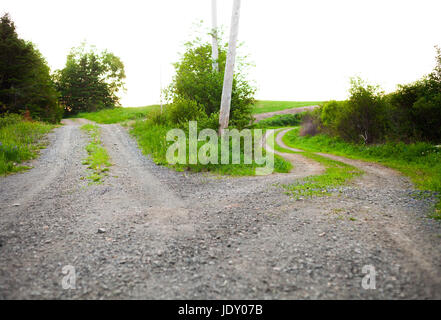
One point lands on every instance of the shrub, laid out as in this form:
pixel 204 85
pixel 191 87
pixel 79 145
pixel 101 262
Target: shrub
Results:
pixel 195 80
pixel 362 118
pixel 9 119
pixel 282 120
pixel 311 123
pixel 416 112
pixel 181 111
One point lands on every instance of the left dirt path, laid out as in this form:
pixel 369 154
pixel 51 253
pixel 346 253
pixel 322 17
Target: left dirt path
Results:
pixel 50 216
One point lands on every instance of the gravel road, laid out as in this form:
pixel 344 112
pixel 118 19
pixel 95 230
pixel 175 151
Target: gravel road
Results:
pixel 178 235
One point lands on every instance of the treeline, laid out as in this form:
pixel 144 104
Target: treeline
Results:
pixel 411 113
pixel 90 81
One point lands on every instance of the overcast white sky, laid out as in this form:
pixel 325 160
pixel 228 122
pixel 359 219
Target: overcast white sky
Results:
pixel 303 49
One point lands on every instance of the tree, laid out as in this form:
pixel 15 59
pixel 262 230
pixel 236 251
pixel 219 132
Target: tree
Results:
pixel 90 81
pixel 195 80
pixel 25 82
pixel 417 107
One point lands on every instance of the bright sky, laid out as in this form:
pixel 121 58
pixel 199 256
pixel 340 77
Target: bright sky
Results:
pixel 302 49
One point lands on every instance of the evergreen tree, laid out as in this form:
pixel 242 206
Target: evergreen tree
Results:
pixel 25 82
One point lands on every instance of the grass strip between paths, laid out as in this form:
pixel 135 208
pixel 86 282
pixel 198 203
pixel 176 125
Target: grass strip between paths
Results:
pixel 98 158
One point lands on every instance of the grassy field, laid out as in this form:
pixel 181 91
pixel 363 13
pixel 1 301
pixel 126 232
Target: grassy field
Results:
pixel 263 106
pixel 419 161
pixel 98 160
pixel 151 140
pixel 117 115
pixel 19 141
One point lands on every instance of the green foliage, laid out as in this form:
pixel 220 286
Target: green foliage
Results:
pixel 181 111
pixel 336 174
pixel 90 81
pixel 420 161
pixel 411 113
pixel 195 80
pixel 282 120
pixel 151 137
pixel 19 141
pixel 362 118
pixel 98 160
pixel 25 82
pixel 417 108
pixel 264 106
pixel 117 115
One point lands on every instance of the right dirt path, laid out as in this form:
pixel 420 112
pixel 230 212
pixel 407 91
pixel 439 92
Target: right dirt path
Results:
pixel 381 198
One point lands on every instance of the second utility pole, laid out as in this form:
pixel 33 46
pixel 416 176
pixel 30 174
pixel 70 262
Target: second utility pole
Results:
pixel 224 115
pixel 214 46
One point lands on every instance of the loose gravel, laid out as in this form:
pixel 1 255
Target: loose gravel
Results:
pixel 149 232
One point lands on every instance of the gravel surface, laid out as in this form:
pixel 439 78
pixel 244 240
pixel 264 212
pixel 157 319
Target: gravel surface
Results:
pixel 150 232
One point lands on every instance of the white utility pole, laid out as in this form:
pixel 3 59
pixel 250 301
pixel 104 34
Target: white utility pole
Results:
pixel 214 46
pixel 224 115
pixel 160 85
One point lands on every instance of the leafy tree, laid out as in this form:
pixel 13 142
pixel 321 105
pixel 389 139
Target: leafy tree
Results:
pixel 195 80
pixel 90 81
pixel 417 107
pixel 25 82
pixel 364 117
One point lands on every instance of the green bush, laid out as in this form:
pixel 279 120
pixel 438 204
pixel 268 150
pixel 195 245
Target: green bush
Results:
pixel 19 141
pixel 362 118
pixel 9 119
pixel 181 111
pixel 195 80
pixel 282 120
pixel 416 108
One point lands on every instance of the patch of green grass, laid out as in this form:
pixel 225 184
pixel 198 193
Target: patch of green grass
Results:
pixel 281 120
pixel 419 161
pixel 116 115
pixel 152 141
pixel 263 106
pixel 336 174
pixel 19 141
pixel 98 158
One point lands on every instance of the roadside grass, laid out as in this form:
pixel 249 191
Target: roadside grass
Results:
pixel 20 141
pixel 336 174
pixel 152 141
pixel 98 158
pixel 281 120
pixel 263 106
pixel 116 115
pixel 419 161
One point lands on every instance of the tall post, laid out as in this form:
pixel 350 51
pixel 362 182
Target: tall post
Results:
pixel 224 115
pixel 214 39
pixel 160 85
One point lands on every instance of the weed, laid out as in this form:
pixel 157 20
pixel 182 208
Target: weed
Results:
pixel 19 141
pixel 98 158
